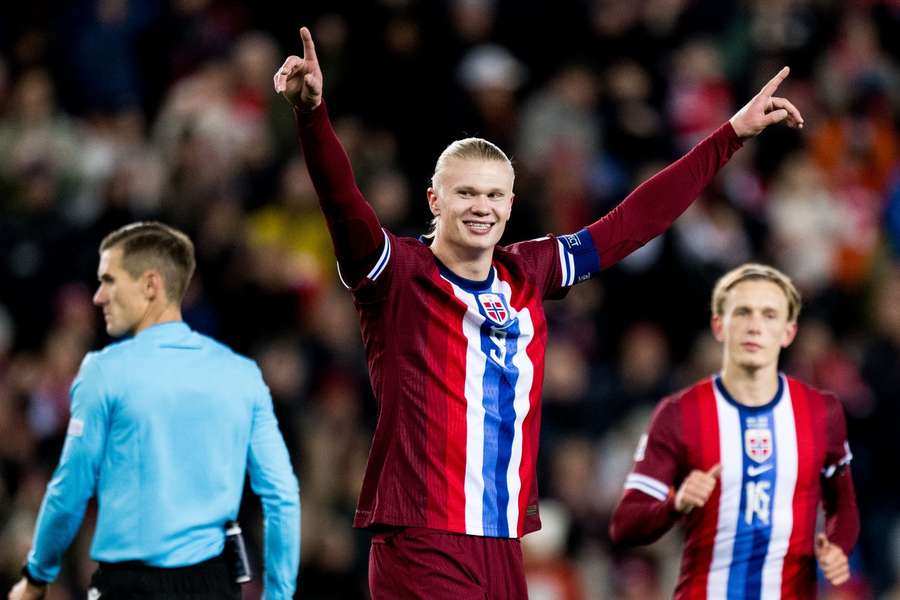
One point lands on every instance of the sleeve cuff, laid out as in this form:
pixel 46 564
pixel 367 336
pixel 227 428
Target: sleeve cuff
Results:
pixel 730 135
pixel 26 573
pixel 310 118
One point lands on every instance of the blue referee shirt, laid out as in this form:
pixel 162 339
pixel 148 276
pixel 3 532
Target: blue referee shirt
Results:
pixel 163 428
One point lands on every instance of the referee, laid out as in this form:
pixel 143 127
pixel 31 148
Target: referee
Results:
pixel 164 426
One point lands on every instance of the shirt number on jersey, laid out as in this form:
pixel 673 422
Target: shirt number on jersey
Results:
pixel 758 500
pixel 498 353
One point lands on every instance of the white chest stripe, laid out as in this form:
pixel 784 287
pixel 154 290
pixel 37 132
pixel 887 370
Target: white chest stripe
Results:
pixel 783 509
pixel 730 480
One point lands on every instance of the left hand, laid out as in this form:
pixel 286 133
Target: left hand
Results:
pixel 832 561
pixel 25 591
pixel 766 109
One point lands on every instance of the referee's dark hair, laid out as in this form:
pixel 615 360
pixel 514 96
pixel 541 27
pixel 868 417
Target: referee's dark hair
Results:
pixel 154 245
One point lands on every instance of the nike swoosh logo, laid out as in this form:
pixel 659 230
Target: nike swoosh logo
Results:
pixel 754 471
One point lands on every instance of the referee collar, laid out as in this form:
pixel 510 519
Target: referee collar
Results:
pixel 169 333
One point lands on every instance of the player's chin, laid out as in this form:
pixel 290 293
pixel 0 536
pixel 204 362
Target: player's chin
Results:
pixel 116 330
pixel 751 363
pixel 483 241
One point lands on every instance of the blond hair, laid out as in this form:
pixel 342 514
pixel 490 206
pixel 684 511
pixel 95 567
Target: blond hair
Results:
pixel 755 271
pixel 471 148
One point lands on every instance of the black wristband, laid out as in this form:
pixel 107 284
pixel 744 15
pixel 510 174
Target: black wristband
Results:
pixel 30 578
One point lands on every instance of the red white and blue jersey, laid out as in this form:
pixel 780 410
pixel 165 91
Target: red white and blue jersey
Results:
pixel 457 367
pixel 754 537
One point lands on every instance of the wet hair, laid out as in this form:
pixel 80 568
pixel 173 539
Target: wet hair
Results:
pixel 154 245
pixel 751 272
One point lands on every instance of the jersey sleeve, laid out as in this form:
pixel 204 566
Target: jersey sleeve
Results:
pixel 837 453
pixel 838 493
pixel 360 244
pixel 646 509
pixel 652 208
pixel 272 479
pixel 559 262
pixel 75 478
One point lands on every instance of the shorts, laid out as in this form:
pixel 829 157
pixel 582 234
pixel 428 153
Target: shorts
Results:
pixel 208 580
pixel 413 562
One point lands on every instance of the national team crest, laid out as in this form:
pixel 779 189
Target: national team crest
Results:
pixel 495 308
pixel 758 444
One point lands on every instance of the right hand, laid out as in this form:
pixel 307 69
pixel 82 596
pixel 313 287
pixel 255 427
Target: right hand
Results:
pixel 765 108
pixel 25 591
pixel 696 489
pixel 299 80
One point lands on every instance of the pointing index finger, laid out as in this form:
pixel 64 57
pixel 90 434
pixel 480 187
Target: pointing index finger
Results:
pixel 773 84
pixel 309 49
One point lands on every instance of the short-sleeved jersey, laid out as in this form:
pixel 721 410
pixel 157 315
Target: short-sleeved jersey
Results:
pixel 754 537
pixel 457 368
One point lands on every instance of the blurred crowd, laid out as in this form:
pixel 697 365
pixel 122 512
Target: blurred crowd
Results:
pixel 119 110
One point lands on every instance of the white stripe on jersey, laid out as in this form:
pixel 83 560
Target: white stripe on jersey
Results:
pixel 521 405
pixel 380 264
pixel 730 483
pixel 785 432
pixel 475 411
pixel 475 365
pixel 566 271
pixel 650 486
pixel 382 260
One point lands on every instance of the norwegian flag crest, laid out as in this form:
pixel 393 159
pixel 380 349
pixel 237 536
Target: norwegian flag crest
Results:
pixel 495 308
pixel 758 444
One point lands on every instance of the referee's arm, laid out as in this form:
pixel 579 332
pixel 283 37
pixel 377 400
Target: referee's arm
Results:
pixel 74 480
pixel 272 479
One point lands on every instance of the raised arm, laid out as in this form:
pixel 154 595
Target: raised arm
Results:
pixel 355 231
pixel 654 205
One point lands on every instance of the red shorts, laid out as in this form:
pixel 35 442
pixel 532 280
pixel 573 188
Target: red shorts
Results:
pixel 413 562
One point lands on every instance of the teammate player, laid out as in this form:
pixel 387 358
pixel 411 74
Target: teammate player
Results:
pixel 164 428
pixel 455 335
pixel 751 453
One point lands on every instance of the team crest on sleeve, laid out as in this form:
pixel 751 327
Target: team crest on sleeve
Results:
pixel 494 307
pixel 758 444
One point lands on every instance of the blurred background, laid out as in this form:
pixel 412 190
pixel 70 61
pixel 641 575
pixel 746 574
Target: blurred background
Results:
pixel 117 110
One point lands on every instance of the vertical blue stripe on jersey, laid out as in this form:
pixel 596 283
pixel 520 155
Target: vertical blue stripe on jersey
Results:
pixel 752 539
pixel 499 389
pixel 579 247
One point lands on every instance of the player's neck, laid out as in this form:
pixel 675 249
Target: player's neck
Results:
pixel 163 314
pixel 468 263
pixel 750 387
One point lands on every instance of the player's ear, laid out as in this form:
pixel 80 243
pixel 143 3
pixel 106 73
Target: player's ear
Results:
pixel 433 201
pixel 790 333
pixel 152 285
pixel 717 327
